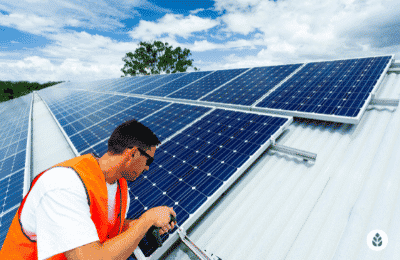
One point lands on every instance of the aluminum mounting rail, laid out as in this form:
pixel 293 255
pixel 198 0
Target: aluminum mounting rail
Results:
pixel 306 156
pixel 384 102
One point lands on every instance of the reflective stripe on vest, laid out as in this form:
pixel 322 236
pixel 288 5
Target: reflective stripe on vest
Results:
pixel 17 244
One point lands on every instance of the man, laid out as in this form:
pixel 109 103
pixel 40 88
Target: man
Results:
pixel 77 209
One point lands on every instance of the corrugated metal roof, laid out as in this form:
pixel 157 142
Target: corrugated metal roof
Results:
pixel 285 208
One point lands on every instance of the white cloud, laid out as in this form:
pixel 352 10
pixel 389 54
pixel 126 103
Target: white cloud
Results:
pixel 28 23
pixel 39 69
pixel 236 5
pixel 197 11
pixel 99 14
pixel 172 25
pixel 71 56
pixel 304 30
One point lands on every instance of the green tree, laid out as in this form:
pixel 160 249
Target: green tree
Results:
pixel 10 90
pixel 156 57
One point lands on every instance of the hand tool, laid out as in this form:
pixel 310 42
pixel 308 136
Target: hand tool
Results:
pixel 202 255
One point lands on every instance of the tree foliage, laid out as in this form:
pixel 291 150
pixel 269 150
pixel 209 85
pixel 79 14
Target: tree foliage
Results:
pixel 10 90
pixel 156 57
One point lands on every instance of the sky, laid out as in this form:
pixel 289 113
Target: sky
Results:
pixel 60 40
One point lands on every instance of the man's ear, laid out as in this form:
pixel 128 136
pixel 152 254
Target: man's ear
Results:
pixel 132 151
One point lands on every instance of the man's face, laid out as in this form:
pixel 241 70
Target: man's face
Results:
pixel 136 162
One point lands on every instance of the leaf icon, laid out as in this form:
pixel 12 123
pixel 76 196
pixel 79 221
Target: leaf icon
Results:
pixel 377 240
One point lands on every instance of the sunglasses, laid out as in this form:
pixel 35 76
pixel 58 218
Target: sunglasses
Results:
pixel 149 158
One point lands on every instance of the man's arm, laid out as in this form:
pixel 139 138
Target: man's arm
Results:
pixel 127 223
pixel 123 245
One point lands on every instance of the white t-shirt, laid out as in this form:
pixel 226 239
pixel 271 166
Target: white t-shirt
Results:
pixel 56 213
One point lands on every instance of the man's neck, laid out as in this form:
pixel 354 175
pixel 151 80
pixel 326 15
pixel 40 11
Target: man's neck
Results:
pixel 104 172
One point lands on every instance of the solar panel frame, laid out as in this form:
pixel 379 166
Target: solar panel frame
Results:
pixel 326 117
pixel 27 174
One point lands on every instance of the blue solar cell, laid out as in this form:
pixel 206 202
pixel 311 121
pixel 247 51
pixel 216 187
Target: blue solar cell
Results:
pixel 252 85
pixel 14 196
pixel 70 130
pixel 7 166
pixel 203 86
pixel 5 223
pixel 11 149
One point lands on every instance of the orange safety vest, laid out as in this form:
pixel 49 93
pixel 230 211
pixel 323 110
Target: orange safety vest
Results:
pixel 17 244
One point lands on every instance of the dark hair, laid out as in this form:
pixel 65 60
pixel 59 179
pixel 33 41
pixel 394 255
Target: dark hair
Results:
pixel 129 134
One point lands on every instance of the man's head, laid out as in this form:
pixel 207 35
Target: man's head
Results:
pixel 131 149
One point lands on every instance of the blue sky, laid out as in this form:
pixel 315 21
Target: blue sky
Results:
pixel 57 40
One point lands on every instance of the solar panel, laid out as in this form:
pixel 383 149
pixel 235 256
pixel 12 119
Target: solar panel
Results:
pixel 146 80
pixel 158 83
pixel 14 121
pixel 164 122
pixel 87 123
pixel 210 82
pixel 177 84
pixel 333 91
pixel 114 85
pixel 251 86
pixel 193 168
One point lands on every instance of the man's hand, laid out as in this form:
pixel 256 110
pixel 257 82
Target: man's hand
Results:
pixel 161 217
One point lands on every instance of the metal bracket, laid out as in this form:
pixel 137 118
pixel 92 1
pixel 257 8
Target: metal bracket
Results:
pixel 296 152
pixel 395 70
pixel 202 255
pixel 384 102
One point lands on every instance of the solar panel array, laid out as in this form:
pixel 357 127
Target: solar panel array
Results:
pixel 13 143
pixel 204 146
pixel 207 148
pixel 336 91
